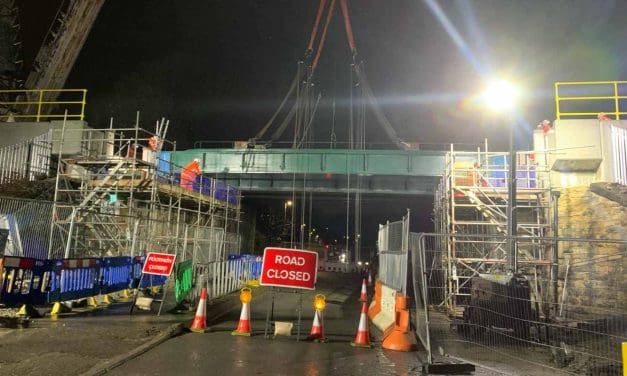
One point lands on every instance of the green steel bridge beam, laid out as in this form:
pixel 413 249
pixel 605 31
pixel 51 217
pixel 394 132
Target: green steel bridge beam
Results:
pixel 412 172
pixel 417 163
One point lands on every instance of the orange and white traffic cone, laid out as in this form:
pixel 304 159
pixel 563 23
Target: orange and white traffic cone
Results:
pixel 362 338
pixel 243 327
pixel 317 329
pixel 363 297
pixel 199 325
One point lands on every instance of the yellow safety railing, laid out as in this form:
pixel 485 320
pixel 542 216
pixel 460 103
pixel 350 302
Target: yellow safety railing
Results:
pixel 591 104
pixel 37 105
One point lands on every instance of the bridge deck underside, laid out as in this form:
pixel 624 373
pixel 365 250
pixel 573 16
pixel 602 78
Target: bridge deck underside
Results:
pixel 398 185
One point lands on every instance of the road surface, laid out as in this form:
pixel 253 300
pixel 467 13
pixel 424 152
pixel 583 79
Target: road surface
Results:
pixel 218 353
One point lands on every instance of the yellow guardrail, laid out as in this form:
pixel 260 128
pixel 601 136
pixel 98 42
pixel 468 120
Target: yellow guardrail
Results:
pixel 591 104
pixel 39 104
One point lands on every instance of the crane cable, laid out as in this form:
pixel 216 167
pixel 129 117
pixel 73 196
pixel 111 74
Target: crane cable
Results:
pixel 348 27
pixel 323 36
pixel 276 113
pixel 314 31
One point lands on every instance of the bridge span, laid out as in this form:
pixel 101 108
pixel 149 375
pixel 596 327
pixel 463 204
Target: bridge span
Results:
pixel 321 170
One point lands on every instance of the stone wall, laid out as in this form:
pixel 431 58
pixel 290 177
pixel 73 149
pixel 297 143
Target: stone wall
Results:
pixel 596 282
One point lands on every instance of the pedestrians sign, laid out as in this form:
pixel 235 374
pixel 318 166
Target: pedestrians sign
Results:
pixel 293 268
pixel 158 263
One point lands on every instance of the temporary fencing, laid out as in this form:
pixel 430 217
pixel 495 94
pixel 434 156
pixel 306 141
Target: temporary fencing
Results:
pixel 223 277
pixel 619 154
pixel 114 273
pixel 201 243
pixel 26 160
pixel 393 247
pixel 26 224
pixel 31 281
pixel 389 310
pixel 74 279
pixel 564 312
pixel 24 281
pixel 183 282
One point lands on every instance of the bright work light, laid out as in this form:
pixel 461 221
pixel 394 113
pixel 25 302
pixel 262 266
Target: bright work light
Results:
pixel 500 96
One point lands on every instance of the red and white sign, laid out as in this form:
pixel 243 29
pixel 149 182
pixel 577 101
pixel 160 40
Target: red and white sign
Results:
pixel 158 263
pixel 292 268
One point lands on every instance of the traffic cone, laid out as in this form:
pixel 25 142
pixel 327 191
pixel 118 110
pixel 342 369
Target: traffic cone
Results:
pixel 200 320
pixel 369 278
pixel 243 327
pixel 317 329
pixel 362 338
pixel 363 297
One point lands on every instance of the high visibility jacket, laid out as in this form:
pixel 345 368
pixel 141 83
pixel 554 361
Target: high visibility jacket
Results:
pixel 189 174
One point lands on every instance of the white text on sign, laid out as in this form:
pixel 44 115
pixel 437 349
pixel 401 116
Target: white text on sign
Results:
pixel 287 260
pixel 289 275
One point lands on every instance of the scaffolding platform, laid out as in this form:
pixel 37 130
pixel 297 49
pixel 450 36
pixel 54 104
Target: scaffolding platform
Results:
pixel 118 196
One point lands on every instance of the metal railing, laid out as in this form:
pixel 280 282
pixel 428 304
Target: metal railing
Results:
pixel 589 98
pixel 26 160
pixel 38 105
pixel 570 319
pixel 409 145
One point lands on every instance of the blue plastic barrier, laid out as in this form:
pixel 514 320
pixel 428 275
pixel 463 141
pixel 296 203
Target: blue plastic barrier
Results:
pixel 24 281
pixel 115 274
pixel 257 268
pixel 75 279
pixel 36 282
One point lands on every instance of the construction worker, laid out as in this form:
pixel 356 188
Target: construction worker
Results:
pixel 189 174
pixel 545 125
pixel 153 142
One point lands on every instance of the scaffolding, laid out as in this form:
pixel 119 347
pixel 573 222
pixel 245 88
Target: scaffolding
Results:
pixel 471 199
pixel 120 195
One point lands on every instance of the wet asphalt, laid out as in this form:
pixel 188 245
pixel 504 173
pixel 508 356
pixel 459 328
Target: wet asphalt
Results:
pixel 217 352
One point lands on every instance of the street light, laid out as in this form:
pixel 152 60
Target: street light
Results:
pixel 287 204
pixel 501 96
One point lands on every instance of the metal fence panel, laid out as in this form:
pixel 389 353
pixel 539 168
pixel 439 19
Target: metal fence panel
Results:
pixel 28 225
pixel 393 255
pixel 619 151
pixel 224 277
pixel 420 291
pixel 26 160
pixel 529 322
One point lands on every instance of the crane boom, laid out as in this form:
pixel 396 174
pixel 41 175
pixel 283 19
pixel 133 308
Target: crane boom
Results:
pixel 62 44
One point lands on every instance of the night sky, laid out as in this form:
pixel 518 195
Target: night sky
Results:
pixel 218 69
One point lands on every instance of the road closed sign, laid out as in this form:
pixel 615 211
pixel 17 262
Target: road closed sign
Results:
pixel 292 268
pixel 158 263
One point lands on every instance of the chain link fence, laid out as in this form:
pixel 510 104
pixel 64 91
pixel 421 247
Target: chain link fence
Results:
pixel 563 317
